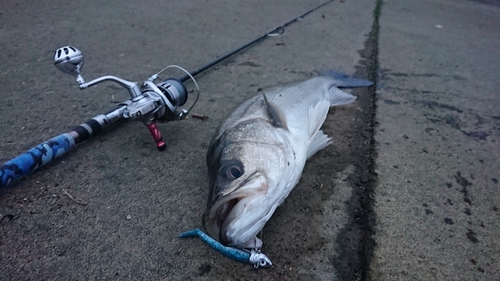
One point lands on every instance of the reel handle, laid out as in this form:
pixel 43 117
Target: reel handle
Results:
pixel 155 133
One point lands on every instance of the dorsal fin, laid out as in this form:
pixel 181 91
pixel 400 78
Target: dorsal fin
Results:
pixel 275 115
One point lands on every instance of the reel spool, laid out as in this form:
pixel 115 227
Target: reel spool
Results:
pixel 176 94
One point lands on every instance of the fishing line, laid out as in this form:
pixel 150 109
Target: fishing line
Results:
pixel 273 32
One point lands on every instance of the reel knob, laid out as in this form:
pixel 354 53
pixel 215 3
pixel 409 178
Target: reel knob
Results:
pixel 69 60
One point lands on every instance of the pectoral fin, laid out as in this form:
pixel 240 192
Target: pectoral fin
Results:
pixel 319 141
pixel 316 116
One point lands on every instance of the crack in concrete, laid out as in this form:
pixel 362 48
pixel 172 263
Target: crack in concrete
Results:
pixel 367 202
pixel 355 240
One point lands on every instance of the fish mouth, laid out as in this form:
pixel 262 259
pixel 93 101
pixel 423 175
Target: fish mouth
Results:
pixel 223 219
pixel 222 214
pixel 235 213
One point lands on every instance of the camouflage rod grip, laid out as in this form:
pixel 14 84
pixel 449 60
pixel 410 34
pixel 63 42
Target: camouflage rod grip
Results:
pixel 35 158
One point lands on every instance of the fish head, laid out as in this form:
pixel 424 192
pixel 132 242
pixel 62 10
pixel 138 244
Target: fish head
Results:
pixel 239 205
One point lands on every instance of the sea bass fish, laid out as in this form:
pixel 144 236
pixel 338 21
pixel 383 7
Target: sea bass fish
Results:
pixel 257 156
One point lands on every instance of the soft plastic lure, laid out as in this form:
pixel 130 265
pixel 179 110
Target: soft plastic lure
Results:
pixel 253 257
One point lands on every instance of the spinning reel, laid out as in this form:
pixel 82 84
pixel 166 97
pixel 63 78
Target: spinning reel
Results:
pixel 148 103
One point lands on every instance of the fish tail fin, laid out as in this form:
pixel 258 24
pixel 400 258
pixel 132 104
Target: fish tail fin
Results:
pixel 339 97
pixel 342 80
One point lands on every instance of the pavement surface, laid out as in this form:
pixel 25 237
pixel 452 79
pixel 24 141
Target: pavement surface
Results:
pixel 438 139
pixel 407 191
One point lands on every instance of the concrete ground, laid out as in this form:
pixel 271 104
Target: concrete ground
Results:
pixel 407 191
pixel 438 142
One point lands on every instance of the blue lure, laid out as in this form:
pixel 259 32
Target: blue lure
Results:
pixel 253 257
pixel 35 158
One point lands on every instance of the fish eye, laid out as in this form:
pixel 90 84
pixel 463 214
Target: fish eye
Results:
pixel 232 170
pixel 235 172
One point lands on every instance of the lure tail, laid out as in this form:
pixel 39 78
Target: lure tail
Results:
pixel 191 233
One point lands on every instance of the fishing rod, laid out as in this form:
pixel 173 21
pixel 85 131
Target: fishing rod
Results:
pixel 276 31
pixel 148 103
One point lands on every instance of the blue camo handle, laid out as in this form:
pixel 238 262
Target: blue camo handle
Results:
pixel 35 158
